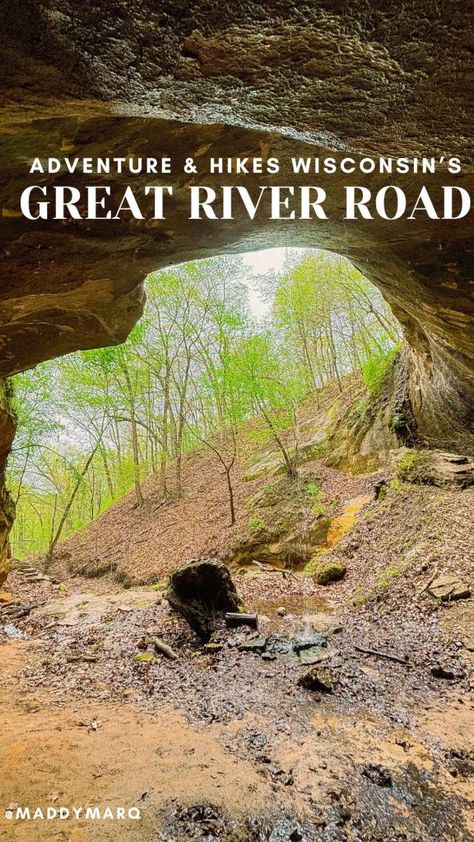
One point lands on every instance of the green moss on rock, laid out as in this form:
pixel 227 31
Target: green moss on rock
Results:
pixel 411 465
pixel 326 571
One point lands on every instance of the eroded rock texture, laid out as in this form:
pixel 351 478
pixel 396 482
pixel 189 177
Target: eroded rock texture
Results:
pixel 279 77
pixel 7 509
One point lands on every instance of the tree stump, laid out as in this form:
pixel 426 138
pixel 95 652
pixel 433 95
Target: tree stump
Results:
pixel 202 592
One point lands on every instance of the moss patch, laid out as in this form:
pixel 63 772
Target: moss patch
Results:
pixel 412 465
pixel 326 570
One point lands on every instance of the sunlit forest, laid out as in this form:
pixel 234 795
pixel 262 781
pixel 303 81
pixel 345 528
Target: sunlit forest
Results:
pixel 201 363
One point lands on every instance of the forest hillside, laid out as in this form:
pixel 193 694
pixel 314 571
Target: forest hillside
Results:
pixel 225 363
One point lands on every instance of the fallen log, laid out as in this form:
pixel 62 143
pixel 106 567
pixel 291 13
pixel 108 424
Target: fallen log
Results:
pixel 163 647
pixel 378 654
pixel 234 619
pixel 11 607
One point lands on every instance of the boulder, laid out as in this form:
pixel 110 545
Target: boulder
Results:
pixel 327 571
pixel 269 465
pixel 314 448
pixel 283 528
pixel 447 588
pixel 434 467
pixel 313 655
pixel 308 641
pixel 294 549
pixel 203 591
pixel 258 644
pixel 316 679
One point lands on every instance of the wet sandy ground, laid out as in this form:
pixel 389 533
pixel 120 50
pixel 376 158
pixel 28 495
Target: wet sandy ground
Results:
pixel 221 745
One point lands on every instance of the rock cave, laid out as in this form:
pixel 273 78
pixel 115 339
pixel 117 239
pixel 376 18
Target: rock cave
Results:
pixel 274 78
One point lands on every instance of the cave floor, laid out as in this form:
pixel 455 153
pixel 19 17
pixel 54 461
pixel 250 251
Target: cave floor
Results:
pixel 221 744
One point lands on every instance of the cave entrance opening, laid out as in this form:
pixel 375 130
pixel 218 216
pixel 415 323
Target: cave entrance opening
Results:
pixel 233 354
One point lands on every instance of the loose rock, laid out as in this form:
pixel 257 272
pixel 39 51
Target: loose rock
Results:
pixel 256 645
pixel 316 679
pixel 447 588
pixel 326 572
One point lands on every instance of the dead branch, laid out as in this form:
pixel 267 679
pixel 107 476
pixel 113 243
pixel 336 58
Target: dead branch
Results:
pixel 89 659
pixel 268 568
pixel 378 654
pixel 163 647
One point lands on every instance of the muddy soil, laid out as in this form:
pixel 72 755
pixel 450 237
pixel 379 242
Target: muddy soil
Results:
pixel 222 744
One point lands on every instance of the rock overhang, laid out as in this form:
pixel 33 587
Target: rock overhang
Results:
pixel 330 79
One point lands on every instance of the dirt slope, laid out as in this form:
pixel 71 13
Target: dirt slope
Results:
pixel 143 545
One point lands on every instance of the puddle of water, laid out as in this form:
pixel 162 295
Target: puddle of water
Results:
pixel 298 604
pixel 303 614
pixel 341 525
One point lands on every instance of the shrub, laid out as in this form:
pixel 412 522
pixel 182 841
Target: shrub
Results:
pixel 256 524
pixel 315 494
pixel 374 370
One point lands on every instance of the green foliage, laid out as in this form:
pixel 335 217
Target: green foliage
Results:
pixel 359 597
pixel 333 320
pixel 313 491
pixel 361 407
pixel 312 564
pixel 195 371
pixel 385 578
pixel 376 366
pixel 146 658
pixel 325 570
pixel 411 465
pixel 315 494
pixel 256 524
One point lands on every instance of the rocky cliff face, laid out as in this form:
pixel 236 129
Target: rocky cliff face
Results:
pixel 7 509
pixel 208 78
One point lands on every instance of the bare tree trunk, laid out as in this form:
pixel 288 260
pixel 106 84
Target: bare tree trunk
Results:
pixel 164 434
pixel 180 426
pixel 332 346
pixel 228 469
pixel 55 538
pixel 289 462
pixel 227 465
pixel 108 475
pixel 134 432
pixel 136 458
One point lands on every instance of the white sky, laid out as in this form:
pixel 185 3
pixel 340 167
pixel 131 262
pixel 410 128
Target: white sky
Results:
pixel 260 262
